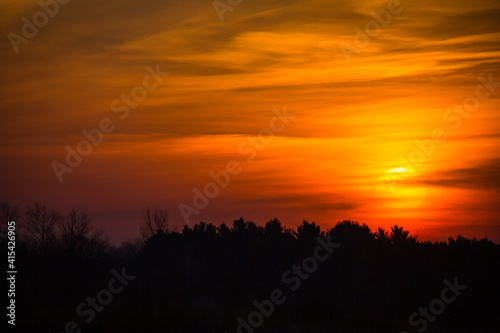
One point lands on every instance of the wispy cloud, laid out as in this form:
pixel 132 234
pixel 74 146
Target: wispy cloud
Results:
pixel 485 176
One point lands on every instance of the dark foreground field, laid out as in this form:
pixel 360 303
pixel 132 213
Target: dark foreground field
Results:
pixel 248 278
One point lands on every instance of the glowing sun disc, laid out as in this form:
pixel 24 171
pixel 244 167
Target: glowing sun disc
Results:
pixel 399 188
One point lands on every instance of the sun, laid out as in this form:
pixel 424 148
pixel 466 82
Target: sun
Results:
pixel 400 188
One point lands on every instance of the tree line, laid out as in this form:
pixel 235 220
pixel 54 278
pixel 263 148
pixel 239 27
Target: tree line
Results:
pixel 203 278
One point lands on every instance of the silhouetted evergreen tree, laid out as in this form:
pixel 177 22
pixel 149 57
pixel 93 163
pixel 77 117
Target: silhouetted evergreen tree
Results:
pixel 206 276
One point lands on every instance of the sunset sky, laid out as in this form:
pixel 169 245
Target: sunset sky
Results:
pixel 349 124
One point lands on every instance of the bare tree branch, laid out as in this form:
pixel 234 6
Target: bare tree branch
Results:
pixel 154 222
pixel 40 224
pixel 74 228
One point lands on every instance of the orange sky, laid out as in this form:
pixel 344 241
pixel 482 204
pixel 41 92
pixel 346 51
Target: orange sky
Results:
pixel 352 120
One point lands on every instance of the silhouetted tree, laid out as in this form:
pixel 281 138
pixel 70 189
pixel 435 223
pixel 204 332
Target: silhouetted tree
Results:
pixel 8 213
pixel 41 224
pixel 207 276
pixel 399 235
pixel 308 232
pixel 382 235
pixel 73 229
pixel 153 222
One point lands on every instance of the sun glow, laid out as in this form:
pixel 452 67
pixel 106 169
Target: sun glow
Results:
pixel 400 188
pixel 398 170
